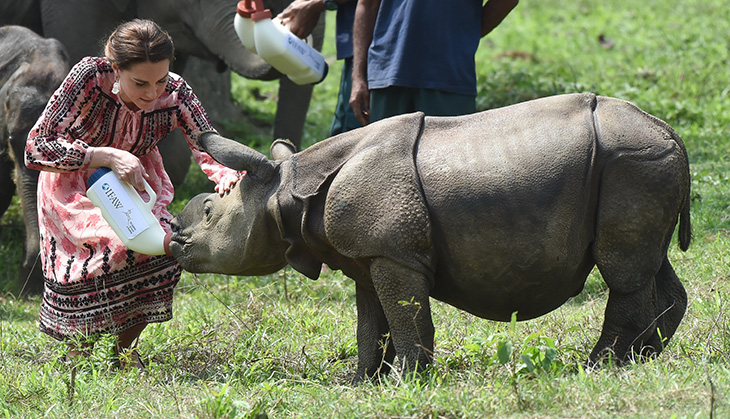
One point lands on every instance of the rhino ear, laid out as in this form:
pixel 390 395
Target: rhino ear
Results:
pixel 282 149
pixel 237 156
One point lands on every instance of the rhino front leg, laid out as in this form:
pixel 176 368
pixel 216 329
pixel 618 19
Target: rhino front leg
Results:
pixel 404 295
pixel 375 351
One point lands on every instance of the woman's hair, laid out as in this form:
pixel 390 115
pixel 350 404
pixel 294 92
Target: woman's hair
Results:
pixel 138 41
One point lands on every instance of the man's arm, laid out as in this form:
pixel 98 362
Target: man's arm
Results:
pixel 494 12
pixel 365 15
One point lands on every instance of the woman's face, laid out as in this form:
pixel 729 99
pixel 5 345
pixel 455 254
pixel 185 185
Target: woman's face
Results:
pixel 142 83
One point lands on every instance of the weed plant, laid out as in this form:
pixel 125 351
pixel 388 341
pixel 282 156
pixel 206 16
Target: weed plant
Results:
pixel 284 346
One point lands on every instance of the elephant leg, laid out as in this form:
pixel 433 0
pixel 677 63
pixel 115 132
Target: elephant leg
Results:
pixel 7 186
pixel 404 295
pixel 375 350
pixel 175 156
pixel 291 111
pixel 30 274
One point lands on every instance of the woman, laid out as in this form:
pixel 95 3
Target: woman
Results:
pixel 111 112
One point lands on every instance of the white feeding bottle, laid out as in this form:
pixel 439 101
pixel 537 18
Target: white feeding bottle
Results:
pixel 277 46
pixel 244 25
pixel 128 215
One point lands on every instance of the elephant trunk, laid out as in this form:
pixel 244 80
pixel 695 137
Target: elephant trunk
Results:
pixel 30 276
pixel 215 29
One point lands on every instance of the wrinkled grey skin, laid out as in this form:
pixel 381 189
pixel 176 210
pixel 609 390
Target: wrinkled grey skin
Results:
pixel 498 212
pixel 206 47
pixel 31 69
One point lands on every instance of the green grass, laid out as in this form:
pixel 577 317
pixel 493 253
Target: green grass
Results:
pixel 284 346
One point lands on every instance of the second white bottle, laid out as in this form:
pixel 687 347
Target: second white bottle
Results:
pixel 285 51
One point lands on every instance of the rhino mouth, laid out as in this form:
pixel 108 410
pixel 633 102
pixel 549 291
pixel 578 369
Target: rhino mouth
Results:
pixel 179 247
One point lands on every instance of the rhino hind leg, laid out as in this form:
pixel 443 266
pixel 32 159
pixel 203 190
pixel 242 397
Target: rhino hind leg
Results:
pixel 671 304
pixel 672 300
pixel 639 202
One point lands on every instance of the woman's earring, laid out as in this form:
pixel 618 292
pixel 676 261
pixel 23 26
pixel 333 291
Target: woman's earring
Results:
pixel 115 87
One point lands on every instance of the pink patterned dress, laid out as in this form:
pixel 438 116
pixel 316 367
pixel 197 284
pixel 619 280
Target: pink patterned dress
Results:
pixel 93 283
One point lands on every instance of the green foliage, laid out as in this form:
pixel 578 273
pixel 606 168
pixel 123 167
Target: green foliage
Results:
pixel 535 353
pixel 284 346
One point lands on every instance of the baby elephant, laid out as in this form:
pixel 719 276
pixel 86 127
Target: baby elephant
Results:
pixel 497 212
pixel 31 69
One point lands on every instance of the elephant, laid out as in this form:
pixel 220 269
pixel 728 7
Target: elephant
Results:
pixel 31 69
pixel 206 47
pixel 499 212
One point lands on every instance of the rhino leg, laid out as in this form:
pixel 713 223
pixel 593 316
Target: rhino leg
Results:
pixel 628 325
pixel 404 295
pixel 643 322
pixel 672 304
pixel 638 206
pixel 375 350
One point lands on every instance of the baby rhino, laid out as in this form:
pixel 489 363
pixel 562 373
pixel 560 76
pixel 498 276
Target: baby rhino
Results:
pixel 502 211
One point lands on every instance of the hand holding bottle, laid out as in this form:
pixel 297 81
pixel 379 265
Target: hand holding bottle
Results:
pixel 125 164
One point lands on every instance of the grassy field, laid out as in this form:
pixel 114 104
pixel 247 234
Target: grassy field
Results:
pixel 284 346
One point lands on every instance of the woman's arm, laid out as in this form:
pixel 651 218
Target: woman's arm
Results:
pixel 193 122
pixel 49 146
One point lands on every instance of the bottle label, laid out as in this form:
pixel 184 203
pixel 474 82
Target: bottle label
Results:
pixel 120 206
pixel 308 54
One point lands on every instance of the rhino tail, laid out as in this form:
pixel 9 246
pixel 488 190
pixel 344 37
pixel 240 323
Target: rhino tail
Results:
pixel 685 226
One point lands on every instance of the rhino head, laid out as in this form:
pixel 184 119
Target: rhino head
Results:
pixel 211 228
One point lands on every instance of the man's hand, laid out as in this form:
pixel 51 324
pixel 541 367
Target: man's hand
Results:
pixel 303 16
pixel 360 100
pixel 365 15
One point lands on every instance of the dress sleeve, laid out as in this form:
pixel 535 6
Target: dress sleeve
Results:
pixel 50 146
pixel 193 122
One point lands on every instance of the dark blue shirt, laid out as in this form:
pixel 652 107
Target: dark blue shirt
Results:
pixel 343 29
pixel 427 44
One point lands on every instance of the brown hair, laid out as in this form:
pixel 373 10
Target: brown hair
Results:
pixel 138 41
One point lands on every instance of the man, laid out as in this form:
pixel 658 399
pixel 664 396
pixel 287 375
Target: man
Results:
pixel 418 55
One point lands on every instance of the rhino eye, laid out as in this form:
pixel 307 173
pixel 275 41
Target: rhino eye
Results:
pixel 207 210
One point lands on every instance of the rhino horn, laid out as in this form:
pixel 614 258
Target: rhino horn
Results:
pixel 237 156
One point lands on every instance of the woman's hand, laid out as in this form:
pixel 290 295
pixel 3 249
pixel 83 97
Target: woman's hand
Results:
pixel 125 164
pixel 227 182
